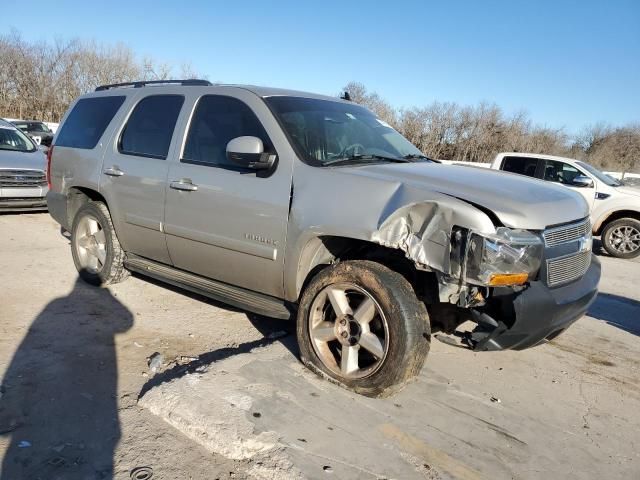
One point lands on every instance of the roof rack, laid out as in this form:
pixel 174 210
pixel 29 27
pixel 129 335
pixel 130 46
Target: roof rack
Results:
pixel 144 83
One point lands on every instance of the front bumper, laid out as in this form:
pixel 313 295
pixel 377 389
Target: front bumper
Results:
pixel 22 204
pixel 20 199
pixel 539 313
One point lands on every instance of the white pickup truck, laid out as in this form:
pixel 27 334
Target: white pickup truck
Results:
pixel 615 208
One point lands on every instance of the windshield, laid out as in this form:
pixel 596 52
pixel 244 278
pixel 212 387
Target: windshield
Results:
pixel 324 132
pixel 604 178
pixel 32 127
pixel 13 139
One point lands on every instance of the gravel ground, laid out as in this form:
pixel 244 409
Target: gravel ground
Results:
pixel 74 364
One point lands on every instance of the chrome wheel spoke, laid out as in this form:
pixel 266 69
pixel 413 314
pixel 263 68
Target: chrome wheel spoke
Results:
pixel 324 332
pixel 369 341
pixel 349 361
pixel 93 225
pixel 365 312
pixel 92 262
pixel 101 255
pixel 339 301
pixel 100 237
pixel 83 241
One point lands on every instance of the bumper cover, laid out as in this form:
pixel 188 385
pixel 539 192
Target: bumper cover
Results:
pixel 57 203
pixel 18 204
pixel 542 313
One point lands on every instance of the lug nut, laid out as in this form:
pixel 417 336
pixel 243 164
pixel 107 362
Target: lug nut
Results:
pixel 343 322
pixel 344 334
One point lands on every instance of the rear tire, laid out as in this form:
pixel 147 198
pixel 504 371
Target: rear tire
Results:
pixel 621 238
pixel 96 251
pixel 361 325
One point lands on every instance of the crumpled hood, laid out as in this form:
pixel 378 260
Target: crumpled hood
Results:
pixel 23 160
pixel 518 201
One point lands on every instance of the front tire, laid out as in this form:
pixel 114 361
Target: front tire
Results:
pixel 621 238
pixel 361 325
pixel 96 251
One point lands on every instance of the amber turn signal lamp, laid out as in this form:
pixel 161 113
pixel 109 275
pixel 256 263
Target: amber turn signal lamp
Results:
pixel 505 279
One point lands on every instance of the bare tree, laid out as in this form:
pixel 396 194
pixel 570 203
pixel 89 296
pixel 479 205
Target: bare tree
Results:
pixel 40 80
pixel 477 133
pixel 359 94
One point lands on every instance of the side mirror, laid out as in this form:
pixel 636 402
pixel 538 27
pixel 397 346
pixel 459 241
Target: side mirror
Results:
pixel 582 181
pixel 249 152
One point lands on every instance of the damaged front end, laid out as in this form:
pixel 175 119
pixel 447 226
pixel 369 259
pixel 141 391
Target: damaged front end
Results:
pixel 488 275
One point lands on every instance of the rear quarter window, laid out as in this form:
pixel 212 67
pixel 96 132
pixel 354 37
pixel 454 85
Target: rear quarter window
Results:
pixel 522 165
pixel 87 121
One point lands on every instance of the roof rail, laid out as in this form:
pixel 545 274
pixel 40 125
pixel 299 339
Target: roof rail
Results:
pixel 144 83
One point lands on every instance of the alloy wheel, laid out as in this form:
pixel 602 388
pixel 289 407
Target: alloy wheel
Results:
pixel 348 330
pixel 625 239
pixel 91 244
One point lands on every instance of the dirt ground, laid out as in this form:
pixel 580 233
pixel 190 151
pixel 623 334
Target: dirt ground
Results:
pixel 230 400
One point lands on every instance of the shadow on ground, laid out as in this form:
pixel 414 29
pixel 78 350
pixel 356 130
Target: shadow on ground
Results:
pixel 59 393
pixel 272 330
pixel 268 327
pixel 618 311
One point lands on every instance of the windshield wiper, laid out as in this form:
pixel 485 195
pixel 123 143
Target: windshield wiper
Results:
pixel 417 156
pixel 356 158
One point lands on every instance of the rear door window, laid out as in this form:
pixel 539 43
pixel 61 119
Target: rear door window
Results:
pixel 88 120
pixel 522 165
pixel 150 127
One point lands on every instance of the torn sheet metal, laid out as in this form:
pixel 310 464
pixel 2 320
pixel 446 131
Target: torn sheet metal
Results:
pixel 366 203
pixel 422 231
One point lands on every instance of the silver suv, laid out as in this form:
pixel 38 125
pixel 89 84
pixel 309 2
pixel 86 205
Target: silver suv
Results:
pixel 291 204
pixel 23 184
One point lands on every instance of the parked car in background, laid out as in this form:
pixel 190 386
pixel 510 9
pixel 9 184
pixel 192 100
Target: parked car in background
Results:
pixel 614 207
pixel 23 184
pixel 296 205
pixel 53 126
pixel 39 131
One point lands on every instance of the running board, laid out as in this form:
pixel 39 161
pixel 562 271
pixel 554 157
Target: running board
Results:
pixel 238 297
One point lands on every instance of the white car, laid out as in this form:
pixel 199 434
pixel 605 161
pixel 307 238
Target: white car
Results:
pixel 614 207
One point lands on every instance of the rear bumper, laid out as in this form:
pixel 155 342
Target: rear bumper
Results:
pixel 57 203
pixel 541 313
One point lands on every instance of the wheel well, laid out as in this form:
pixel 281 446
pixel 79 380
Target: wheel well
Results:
pixel 323 251
pixel 79 196
pixel 616 216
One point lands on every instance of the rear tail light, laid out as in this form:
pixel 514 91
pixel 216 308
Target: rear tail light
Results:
pixel 49 155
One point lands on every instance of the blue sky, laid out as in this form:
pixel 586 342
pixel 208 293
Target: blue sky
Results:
pixel 567 63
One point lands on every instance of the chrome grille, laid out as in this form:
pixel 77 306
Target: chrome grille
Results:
pixel 22 178
pixel 568 268
pixel 566 233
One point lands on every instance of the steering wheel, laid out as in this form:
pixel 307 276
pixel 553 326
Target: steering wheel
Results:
pixel 351 150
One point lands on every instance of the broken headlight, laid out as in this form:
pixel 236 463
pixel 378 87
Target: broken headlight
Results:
pixel 507 257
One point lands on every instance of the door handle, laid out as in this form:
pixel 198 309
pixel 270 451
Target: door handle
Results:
pixel 184 185
pixel 113 171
